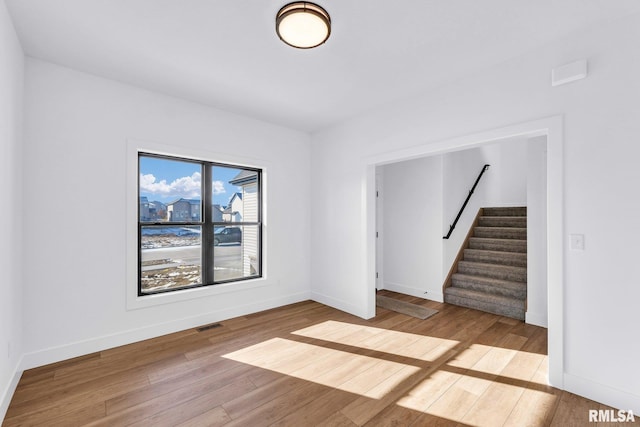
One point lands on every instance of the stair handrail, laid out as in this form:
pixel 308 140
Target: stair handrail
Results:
pixel 464 205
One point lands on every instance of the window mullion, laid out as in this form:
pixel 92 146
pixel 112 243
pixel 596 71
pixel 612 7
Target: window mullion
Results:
pixel 207 228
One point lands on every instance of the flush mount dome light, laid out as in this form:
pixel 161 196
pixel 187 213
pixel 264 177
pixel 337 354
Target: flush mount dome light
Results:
pixel 303 25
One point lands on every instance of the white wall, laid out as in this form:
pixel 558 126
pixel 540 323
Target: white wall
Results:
pixel 600 183
pixel 503 184
pixel 509 173
pixel 411 235
pixel 11 285
pixel 461 169
pixel 77 157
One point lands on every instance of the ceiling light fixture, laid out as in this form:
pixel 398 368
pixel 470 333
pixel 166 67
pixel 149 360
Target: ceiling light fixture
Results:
pixel 303 25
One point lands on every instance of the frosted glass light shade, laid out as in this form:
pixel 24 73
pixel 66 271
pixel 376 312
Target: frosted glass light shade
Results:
pixel 303 25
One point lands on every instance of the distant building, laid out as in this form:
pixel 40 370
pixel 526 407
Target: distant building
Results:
pixel 233 211
pixel 247 208
pixel 183 210
pixel 144 209
pixel 157 211
pixel 216 213
pixel 152 211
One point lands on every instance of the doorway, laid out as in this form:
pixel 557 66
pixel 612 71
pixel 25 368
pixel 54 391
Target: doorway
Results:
pixel 551 129
pixel 421 197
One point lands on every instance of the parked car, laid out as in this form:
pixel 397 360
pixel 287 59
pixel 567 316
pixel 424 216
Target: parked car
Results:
pixel 227 235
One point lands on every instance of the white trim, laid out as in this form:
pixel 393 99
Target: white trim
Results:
pixel 552 128
pixel 379 230
pixel 368 235
pixel 555 249
pixel 605 394
pixel 341 305
pixel 7 395
pixel 407 290
pixel 92 345
pixel 526 130
pixel 538 319
pixel 133 301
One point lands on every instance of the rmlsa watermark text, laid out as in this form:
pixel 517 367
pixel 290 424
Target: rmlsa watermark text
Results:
pixel 610 416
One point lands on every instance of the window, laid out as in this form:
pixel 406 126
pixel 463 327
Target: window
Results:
pixel 199 223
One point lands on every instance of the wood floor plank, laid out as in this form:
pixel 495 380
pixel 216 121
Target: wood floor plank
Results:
pixel 151 408
pixel 434 421
pixel 58 403
pixel 212 418
pixel 544 403
pixel 309 364
pixel 337 419
pixel 82 416
pixel 197 405
pixel 394 415
pixel 223 373
pixel 572 411
pixel 317 410
pixel 427 391
pixel 280 407
pixel 363 409
pixel 261 396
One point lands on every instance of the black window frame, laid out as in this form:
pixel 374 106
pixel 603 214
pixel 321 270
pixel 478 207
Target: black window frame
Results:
pixel 205 223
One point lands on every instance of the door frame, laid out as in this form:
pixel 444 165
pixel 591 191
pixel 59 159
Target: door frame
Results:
pixel 552 128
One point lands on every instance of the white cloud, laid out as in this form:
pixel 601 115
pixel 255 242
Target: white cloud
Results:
pixel 218 188
pixel 187 186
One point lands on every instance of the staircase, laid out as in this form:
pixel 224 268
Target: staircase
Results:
pixel 492 274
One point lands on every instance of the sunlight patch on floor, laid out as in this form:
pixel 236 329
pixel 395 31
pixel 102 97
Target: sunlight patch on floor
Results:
pixel 466 388
pixel 508 363
pixel 404 344
pixel 461 389
pixel 364 375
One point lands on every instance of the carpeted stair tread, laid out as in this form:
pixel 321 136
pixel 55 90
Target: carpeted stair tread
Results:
pixel 501 232
pixel 505 211
pixel 505 245
pixel 503 221
pixel 495 271
pixel 517 259
pixel 490 285
pixel 504 306
pixel 492 274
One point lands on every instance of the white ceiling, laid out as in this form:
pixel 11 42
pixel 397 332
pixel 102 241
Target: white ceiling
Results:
pixel 225 53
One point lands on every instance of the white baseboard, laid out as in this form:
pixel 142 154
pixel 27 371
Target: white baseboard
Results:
pixel 7 394
pixel 341 305
pixel 420 293
pixel 601 393
pixel 537 319
pixel 80 348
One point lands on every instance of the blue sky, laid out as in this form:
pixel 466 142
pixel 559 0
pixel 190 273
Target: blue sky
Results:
pixel 167 180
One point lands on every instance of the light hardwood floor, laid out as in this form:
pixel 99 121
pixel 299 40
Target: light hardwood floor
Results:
pixel 308 364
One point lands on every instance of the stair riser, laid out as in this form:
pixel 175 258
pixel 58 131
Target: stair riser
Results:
pixel 514 274
pixel 519 246
pixel 490 289
pixel 500 233
pixel 492 275
pixel 515 313
pixel 514 211
pixel 500 221
pixel 500 258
